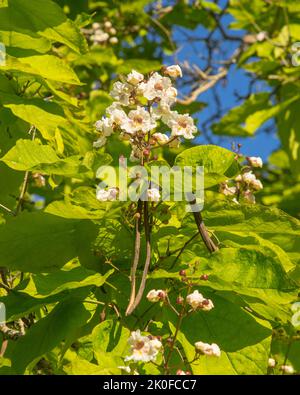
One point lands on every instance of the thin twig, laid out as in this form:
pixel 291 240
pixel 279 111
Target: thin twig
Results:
pixel 8 210
pixel 26 179
pixel 182 249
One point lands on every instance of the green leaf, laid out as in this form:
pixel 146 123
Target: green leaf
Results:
pixel 45 18
pixel 49 67
pixel 110 343
pixel 48 332
pixel 80 366
pixel 20 303
pixel 46 116
pixel 219 163
pixel 249 267
pixel 67 279
pixel 82 204
pixel 38 242
pixel 269 223
pixel 232 123
pixel 290 136
pixel 33 156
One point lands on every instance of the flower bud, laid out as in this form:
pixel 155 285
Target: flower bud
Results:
pixel 179 300
pixel 113 40
pixel 107 24
pixel 182 273
pixel 255 161
pixel 271 363
pixel 204 277
pixel 173 71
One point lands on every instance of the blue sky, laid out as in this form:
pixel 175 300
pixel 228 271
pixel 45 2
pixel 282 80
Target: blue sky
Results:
pixel 262 144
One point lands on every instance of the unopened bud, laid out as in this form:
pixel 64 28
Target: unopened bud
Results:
pixel 179 300
pixel 204 277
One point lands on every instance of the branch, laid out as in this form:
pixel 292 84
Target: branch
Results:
pixel 136 257
pixel 211 80
pixel 210 245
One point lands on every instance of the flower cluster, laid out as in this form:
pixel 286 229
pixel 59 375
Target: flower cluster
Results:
pixel 140 104
pixel 143 348
pixel 102 33
pixel 197 301
pixel 208 349
pixel 245 184
pixel 105 195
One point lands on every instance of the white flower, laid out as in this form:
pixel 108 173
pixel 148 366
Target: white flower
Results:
pixel 261 36
pixel 156 295
pixel 249 196
pixel 105 195
pixel 96 25
pixel 155 344
pixel 153 194
pixel 155 87
pixel 173 71
pixel 112 31
pixel 138 120
pixel 161 138
pixel 143 348
pixel 169 97
pixel 255 161
pixel 182 125
pixel 107 24
pixel 117 115
pixel 161 111
pixel 100 36
pixel 248 177
pixel 100 142
pixel 207 305
pixel 226 190
pixel 105 126
pixel 256 184
pixel 287 369
pixel 271 363
pixel 208 349
pixel 113 40
pixel 195 299
pixel 122 92
pixel 135 77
